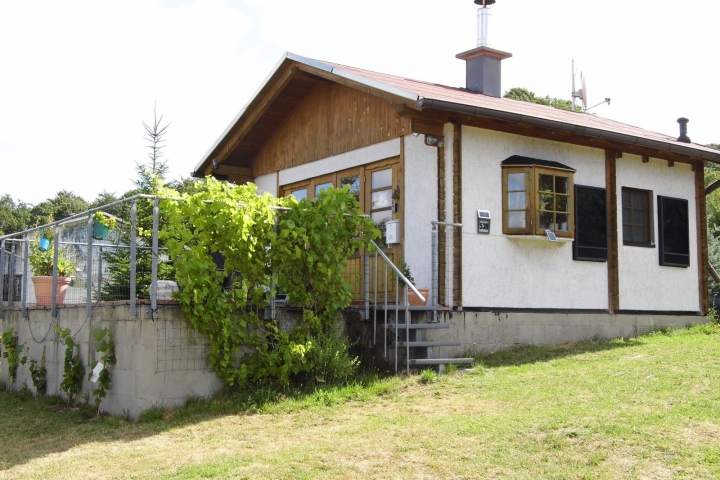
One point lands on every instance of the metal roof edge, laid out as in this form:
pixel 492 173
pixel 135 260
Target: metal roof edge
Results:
pixel 399 92
pixel 659 145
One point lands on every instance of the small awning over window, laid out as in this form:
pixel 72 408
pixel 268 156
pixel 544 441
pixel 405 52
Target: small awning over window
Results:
pixel 519 160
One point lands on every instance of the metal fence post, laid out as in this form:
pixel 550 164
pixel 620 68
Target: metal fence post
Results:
pixel 88 267
pixel 26 272
pixel 2 277
pixel 435 272
pixel 154 273
pixel 366 288
pixel 56 256
pixel 11 275
pixel 100 275
pixel 133 259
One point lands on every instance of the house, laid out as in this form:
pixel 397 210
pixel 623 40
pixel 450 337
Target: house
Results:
pixel 573 226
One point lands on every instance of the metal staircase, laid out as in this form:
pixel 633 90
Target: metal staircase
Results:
pixel 403 330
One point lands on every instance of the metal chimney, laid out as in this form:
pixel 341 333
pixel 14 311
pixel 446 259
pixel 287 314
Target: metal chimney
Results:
pixel 482 64
pixel 483 16
pixel 683 130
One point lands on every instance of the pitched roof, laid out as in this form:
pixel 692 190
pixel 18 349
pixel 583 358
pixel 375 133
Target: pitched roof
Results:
pixel 422 95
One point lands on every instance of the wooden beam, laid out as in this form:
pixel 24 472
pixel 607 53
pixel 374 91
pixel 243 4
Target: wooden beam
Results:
pixel 712 187
pixel 419 126
pixel 645 159
pixel 567 137
pixel 671 163
pixel 256 112
pixel 618 154
pixel 612 231
pixel 702 240
pixel 457 215
pixel 233 170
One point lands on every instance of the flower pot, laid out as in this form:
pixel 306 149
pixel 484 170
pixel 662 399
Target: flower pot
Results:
pixel 43 244
pixel 99 231
pixel 43 290
pixel 414 300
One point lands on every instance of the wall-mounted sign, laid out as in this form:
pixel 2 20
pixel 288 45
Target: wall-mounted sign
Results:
pixel 484 221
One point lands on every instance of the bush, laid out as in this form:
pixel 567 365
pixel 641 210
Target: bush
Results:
pixel 330 355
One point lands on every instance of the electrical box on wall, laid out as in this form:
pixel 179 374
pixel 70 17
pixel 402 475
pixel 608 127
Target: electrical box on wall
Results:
pixel 484 221
pixel 392 232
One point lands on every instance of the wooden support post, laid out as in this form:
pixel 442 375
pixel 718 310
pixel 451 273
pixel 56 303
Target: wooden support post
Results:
pixel 702 239
pixel 612 232
pixel 645 159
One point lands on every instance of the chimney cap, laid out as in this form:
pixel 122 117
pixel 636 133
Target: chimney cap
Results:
pixel 486 2
pixel 683 130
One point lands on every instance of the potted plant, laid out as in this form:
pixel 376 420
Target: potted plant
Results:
pixel 413 299
pixel 46 235
pixel 42 265
pixel 102 224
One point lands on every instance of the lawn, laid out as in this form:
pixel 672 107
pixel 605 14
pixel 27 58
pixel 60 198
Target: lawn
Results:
pixel 646 408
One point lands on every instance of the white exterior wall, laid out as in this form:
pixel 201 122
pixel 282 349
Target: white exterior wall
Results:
pixel 522 273
pixel 644 284
pixel 267 183
pixel 420 207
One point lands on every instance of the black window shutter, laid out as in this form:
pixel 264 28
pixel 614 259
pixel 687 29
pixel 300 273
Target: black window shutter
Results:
pixel 674 232
pixel 590 224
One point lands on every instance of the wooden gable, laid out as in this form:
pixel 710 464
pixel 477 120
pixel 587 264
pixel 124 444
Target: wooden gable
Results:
pixel 331 119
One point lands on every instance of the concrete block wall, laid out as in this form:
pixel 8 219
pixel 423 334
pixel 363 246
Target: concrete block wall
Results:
pixel 161 361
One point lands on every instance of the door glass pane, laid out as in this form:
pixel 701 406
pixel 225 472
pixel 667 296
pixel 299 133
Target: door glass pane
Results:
pixel 381 217
pixel 516 219
pixel 354 183
pixel 381 199
pixel 382 178
pixel 299 194
pixel 546 183
pixel 321 187
pixel 516 181
pixel 561 185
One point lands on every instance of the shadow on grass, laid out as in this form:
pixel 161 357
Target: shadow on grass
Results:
pixel 532 354
pixel 34 428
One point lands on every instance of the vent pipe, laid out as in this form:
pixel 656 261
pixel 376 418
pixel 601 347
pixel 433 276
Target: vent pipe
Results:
pixel 483 16
pixel 683 130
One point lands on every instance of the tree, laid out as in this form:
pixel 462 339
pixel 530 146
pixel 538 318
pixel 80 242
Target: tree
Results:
pixel 64 204
pixel 14 217
pixel 525 95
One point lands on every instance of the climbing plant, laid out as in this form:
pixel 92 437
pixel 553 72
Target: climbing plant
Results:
pixel 104 346
pixel 299 248
pixel 13 354
pixel 73 367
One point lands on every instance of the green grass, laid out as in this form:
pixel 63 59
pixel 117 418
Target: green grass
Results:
pixel 647 407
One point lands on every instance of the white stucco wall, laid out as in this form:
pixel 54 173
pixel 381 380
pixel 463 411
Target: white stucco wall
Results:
pixel 420 206
pixel 267 183
pixel 644 284
pixel 521 273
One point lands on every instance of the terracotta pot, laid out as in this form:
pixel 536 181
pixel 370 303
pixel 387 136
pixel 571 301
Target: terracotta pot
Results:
pixel 414 300
pixel 43 290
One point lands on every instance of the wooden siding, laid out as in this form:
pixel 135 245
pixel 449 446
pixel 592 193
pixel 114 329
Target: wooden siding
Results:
pixel 442 242
pixel 330 120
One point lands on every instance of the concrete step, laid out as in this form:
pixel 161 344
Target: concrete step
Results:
pixel 450 343
pixel 440 361
pixel 420 326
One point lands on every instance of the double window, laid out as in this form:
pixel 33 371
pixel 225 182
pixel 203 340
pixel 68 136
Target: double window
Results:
pixel 537 196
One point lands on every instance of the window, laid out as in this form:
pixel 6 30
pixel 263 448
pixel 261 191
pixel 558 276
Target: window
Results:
pixel 590 224
pixel 673 232
pixel 637 217
pixel 537 196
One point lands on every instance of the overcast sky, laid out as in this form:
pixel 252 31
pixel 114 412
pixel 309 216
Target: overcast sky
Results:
pixel 77 78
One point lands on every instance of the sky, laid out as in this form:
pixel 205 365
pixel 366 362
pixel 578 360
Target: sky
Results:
pixel 78 78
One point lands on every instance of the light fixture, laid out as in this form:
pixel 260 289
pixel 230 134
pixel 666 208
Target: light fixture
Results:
pixel 215 163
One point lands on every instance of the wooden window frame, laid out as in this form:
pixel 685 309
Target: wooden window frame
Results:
pixel 532 200
pixel 648 214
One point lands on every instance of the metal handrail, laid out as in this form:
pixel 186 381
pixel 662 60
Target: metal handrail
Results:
pixel 398 272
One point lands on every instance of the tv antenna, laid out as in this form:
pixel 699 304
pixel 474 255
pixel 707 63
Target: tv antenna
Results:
pixel 582 93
